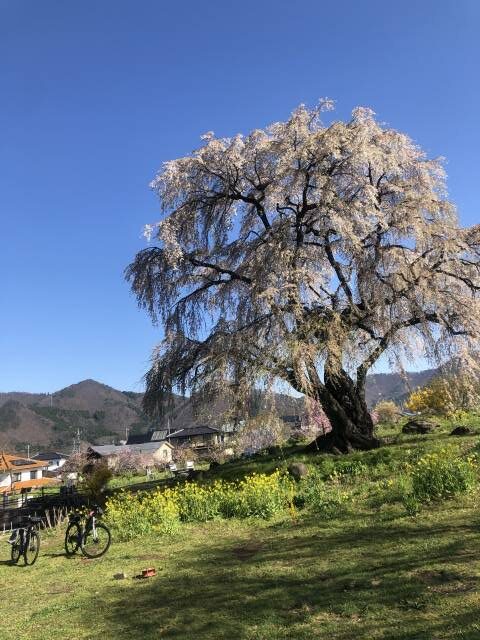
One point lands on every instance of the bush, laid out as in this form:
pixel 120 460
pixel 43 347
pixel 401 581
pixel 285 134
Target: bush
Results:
pixel 387 412
pixel 95 483
pixel 196 503
pixel 441 475
pixel 261 495
pixel 144 513
pixel 258 496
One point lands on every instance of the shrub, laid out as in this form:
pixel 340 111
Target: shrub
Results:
pixel 441 475
pixel 448 395
pixel 387 412
pixel 95 482
pixel 259 496
pixel 196 503
pixel 143 513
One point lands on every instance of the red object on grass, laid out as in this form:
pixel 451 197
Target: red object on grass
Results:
pixel 148 573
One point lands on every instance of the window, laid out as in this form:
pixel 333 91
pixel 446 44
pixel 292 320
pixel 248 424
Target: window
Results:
pixel 17 477
pixel 33 475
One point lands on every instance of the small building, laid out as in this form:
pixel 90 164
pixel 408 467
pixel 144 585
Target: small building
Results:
pixel 158 452
pixel 54 459
pixel 21 475
pixel 198 437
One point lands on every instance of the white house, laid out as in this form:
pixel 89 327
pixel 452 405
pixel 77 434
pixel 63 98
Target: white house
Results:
pixel 156 452
pixel 21 475
pixel 54 459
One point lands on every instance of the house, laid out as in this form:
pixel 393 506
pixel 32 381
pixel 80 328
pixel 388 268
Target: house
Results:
pixel 19 474
pixel 54 459
pixel 157 452
pixel 198 437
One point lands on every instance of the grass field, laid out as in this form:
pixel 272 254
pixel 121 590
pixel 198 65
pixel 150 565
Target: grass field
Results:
pixel 370 572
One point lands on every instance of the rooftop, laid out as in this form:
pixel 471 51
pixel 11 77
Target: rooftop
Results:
pixel 196 430
pixel 10 462
pixel 49 455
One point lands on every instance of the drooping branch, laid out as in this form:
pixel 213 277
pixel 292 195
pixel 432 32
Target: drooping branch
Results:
pixel 339 237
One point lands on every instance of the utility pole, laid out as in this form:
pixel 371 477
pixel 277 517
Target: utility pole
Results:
pixel 28 451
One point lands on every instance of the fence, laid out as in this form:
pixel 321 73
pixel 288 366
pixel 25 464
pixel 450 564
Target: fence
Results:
pixel 14 511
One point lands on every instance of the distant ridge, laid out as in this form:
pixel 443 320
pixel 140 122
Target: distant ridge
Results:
pixel 104 414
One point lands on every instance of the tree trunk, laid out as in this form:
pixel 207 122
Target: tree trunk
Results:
pixel 345 406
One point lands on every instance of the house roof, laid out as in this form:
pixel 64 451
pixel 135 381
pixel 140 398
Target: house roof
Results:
pixel 158 435
pixel 197 430
pixel 9 462
pixel 49 455
pixel 152 435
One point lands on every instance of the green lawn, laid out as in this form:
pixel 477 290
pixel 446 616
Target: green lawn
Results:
pixel 370 573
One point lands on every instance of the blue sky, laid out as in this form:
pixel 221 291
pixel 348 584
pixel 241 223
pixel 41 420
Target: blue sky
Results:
pixel 94 96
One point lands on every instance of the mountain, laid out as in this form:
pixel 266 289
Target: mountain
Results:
pixel 394 386
pixel 103 414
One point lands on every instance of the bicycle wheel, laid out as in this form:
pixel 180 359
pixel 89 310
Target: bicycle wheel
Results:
pixel 72 539
pixel 16 550
pixel 32 547
pixel 96 544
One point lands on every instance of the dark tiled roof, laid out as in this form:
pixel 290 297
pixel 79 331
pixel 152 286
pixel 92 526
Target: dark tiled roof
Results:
pixel 197 430
pixel 139 438
pixel 156 435
pixel 49 455
pixel 152 435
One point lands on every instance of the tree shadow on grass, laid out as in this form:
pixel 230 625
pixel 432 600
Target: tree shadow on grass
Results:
pixel 305 582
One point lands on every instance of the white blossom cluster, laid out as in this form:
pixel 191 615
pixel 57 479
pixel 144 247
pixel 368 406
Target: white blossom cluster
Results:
pixel 303 247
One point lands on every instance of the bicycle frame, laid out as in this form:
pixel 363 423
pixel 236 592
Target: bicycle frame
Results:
pixel 24 534
pixel 22 538
pixel 84 524
pixel 83 530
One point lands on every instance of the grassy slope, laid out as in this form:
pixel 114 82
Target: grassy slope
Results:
pixel 371 573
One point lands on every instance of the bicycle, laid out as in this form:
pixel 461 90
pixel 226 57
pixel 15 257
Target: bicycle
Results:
pixel 25 542
pixel 85 533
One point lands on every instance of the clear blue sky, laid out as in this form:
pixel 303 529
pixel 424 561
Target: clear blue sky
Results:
pixel 95 95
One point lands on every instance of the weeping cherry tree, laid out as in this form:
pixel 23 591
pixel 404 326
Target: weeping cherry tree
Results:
pixel 304 252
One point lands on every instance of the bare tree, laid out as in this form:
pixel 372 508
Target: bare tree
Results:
pixel 263 431
pixel 304 252
pixel 127 461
